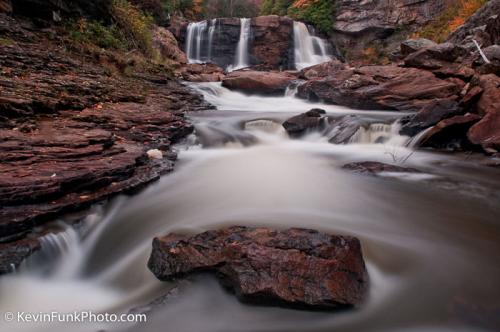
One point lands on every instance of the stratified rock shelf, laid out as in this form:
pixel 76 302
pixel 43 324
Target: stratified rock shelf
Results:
pixel 75 130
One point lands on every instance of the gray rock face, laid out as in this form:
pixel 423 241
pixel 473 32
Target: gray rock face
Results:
pixel 412 45
pixel 356 16
pixel 360 22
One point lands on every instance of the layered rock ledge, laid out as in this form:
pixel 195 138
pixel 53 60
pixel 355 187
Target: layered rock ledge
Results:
pixel 75 129
pixel 295 267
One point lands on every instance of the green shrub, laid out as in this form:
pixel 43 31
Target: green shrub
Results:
pixel 319 13
pixel 96 33
pixel 135 25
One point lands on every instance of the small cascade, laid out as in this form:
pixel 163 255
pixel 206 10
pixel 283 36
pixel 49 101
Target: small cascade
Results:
pixel 309 50
pixel 242 56
pixel 54 246
pixel 416 140
pixel 292 88
pixel 374 133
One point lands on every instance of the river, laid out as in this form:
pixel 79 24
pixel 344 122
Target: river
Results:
pixel 431 240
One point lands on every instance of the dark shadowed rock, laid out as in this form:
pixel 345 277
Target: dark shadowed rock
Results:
pixel 5 6
pixel 429 116
pixel 374 167
pixel 258 82
pixel 492 53
pixel 311 120
pixel 294 267
pixel 434 57
pixel 487 131
pixel 13 253
pixel 45 9
pixel 451 133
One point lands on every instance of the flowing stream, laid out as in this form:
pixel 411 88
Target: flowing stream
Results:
pixel 431 240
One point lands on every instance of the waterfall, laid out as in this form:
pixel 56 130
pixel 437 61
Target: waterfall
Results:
pixel 194 41
pixel 309 50
pixel 241 60
pixel 211 31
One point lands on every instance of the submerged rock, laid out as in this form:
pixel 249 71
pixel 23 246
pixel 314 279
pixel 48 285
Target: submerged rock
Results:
pixel 294 267
pixel 375 167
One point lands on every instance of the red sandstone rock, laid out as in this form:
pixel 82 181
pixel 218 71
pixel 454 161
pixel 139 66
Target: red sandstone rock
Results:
pixel 487 131
pixel 294 267
pixel 258 82
pixel 381 87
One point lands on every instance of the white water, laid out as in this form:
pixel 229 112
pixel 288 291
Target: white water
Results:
pixel 211 32
pixel 432 255
pixel 242 55
pixel 309 50
pixel 194 41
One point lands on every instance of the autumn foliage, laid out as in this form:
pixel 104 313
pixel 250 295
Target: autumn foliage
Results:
pixel 449 20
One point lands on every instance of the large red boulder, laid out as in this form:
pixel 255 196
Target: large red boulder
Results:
pixel 294 267
pixel 258 82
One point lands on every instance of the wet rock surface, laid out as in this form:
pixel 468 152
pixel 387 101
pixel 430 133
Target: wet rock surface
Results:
pixel 299 125
pixel 374 167
pixel 258 82
pixel 295 267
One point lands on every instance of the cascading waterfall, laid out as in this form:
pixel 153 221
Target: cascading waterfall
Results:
pixel 194 41
pixel 211 31
pixel 242 56
pixel 309 50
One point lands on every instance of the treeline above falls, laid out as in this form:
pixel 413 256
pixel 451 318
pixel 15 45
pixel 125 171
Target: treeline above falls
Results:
pixel 272 42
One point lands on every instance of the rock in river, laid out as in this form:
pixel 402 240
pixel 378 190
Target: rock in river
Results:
pixel 294 267
pixel 302 123
pixel 258 82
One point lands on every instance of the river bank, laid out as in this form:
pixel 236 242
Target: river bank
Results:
pixel 75 130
